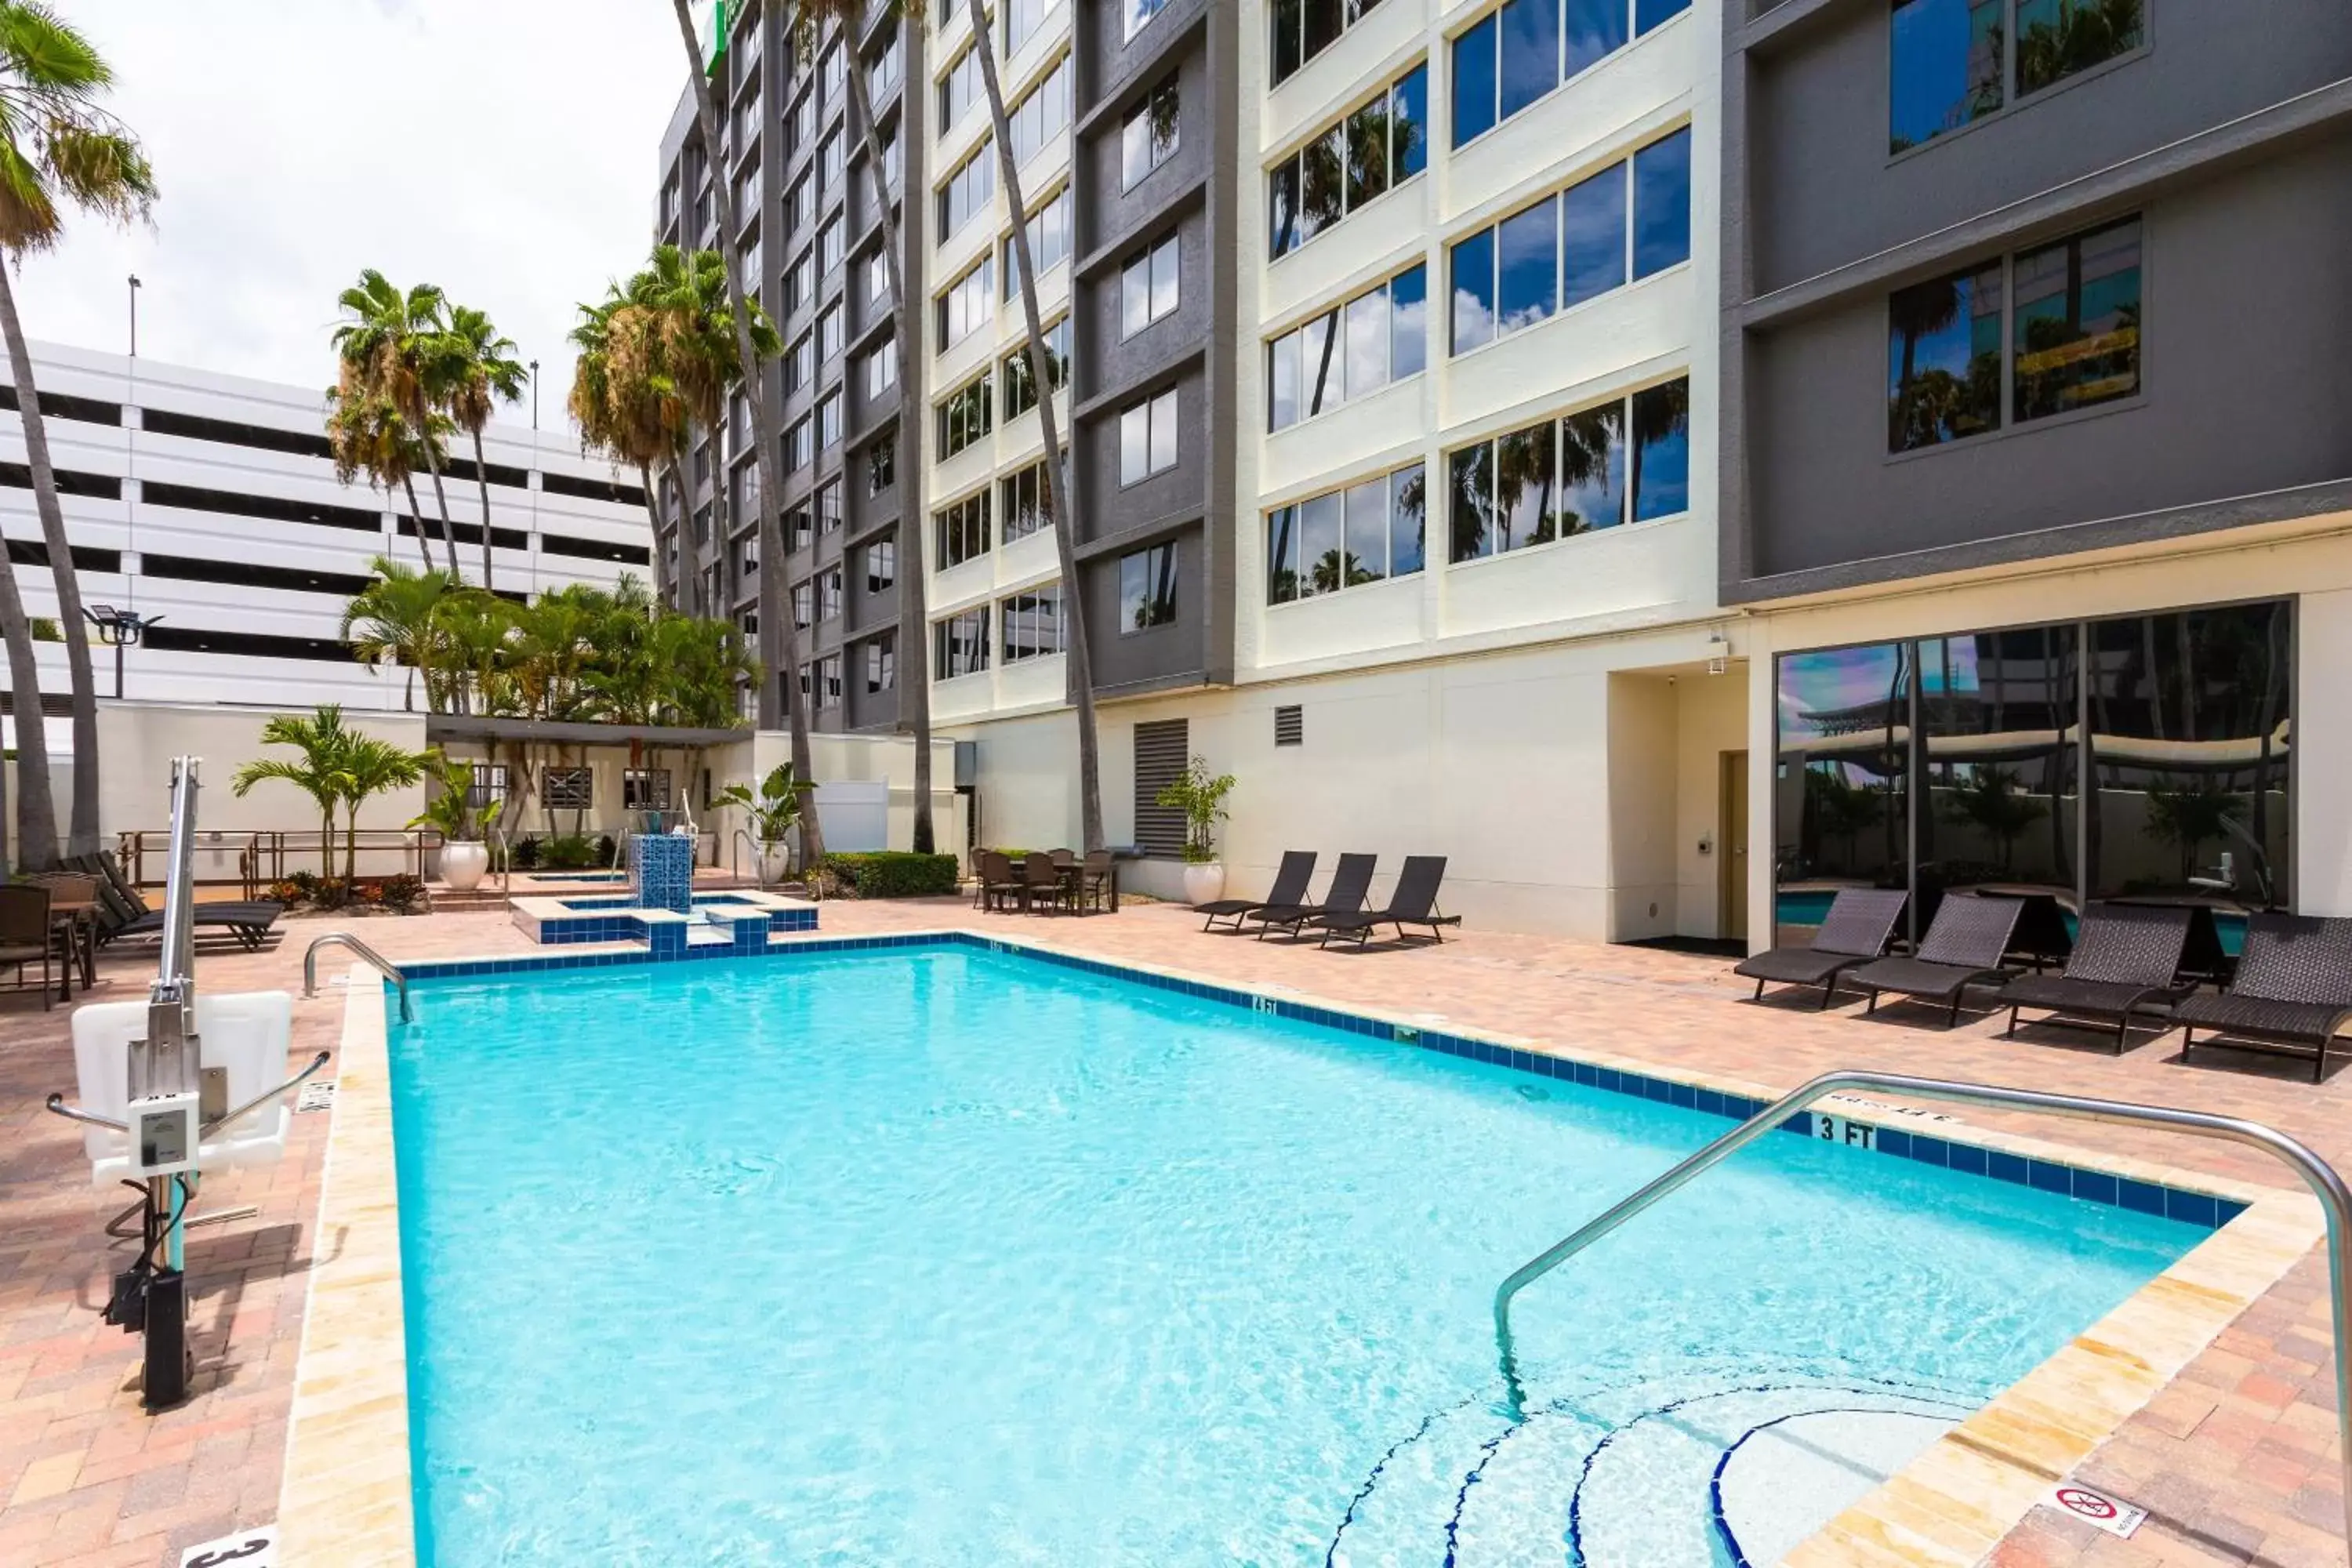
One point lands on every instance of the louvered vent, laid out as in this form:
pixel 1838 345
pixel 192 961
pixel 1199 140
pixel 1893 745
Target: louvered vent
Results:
pixel 1289 726
pixel 1159 757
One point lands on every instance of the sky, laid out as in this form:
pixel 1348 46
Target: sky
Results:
pixel 503 149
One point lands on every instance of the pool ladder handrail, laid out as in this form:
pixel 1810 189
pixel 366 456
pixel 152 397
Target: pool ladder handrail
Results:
pixel 367 955
pixel 2326 1185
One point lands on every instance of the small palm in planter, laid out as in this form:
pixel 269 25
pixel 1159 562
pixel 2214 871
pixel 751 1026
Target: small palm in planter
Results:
pixel 774 813
pixel 463 826
pixel 1201 797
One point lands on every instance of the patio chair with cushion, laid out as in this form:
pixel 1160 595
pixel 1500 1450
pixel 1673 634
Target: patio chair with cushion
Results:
pixel 1350 881
pixel 24 932
pixel 1859 925
pixel 1414 902
pixel 2127 957
pixel 1290 880
pixel 2294 987
pixel 1963 948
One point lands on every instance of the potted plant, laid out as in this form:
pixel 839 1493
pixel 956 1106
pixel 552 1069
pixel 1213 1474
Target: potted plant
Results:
pixel 1201 797
pixel 464 855
pixel 771 814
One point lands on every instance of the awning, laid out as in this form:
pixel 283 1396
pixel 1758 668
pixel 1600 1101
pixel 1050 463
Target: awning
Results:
pixel 443 727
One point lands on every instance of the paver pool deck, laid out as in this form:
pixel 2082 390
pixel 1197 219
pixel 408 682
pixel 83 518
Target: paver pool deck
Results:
pixel 2235 1459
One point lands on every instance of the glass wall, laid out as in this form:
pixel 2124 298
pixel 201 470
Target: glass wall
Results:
pixel 2144 756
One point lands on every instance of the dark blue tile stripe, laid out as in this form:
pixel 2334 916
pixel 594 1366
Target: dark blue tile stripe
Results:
pixel 2061 1180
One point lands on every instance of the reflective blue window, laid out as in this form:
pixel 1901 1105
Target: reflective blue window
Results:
pixel 1661 450
pixel 1648 14
pixel 1530 51
pixel 1408 324
pixel 1595 28
pixel 1528 276
pixel 1592 244
pixel 1662 222
pixel 1474 82
pixel 1472 275
pixel 1945 67
pixel 1408 124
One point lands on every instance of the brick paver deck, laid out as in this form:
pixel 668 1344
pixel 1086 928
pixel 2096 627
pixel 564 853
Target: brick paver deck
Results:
pixel 2236 1459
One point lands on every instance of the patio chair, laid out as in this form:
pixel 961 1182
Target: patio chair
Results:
pixel 1350 881
pixel 1094 881
pixel 1414 902
pixel 997 882
pixel 249 922
pixel 24 933
pixel 1859 925
pixel 1040 878
pixel 2294 987
pixel 1963 948
pixel 1290 879
pixel 2127 957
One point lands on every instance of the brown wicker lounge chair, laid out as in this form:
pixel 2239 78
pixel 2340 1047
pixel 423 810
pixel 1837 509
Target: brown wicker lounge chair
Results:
pixel 1350 881
pixel 2294 987
pixel 1963 948
pixel 1857 929
pixel 2127 957
pixel 1414 903
pixel 1290 880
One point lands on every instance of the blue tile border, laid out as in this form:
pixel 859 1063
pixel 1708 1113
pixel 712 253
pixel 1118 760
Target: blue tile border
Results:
pixel 2200 1209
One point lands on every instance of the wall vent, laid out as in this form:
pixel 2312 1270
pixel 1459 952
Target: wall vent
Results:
pixel 1289 726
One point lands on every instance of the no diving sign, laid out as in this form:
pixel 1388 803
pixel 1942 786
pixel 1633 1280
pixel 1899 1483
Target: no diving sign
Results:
pixel 2097 1510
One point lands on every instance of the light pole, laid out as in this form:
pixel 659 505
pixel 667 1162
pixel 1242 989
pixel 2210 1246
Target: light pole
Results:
pixel 135 315
pixel 119 630
pixel 534 395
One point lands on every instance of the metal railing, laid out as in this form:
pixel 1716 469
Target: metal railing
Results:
pixel 2327 1186
pixel 264 857
pixel 367 955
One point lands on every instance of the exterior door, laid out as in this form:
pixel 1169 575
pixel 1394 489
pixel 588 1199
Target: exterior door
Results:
pixel 1731 839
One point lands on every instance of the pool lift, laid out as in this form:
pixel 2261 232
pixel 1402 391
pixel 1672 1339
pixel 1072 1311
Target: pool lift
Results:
pixel 156 1080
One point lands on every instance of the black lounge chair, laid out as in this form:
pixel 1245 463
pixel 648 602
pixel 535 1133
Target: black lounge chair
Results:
pixel 1857 929
pixel 2294 987
pixel 126 914
pixel 2127 957
pixel 1290 879
pixel 1963 948
pixel 1414 903
pixel 1350 881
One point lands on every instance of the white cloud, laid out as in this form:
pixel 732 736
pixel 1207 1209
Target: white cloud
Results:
pixel 503 149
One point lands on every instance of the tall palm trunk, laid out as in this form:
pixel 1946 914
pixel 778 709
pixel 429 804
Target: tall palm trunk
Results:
pixel 82 837
pixel 914 629
pixel 482 473
pixel 653 517
pixel 416 521
pixel 1079 667
pixel 763 434
pixel 441 499
pixel 36 811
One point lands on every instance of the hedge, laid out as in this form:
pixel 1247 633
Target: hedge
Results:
pixel 895 874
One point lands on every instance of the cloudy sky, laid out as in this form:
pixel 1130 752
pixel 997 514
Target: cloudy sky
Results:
pixel 504 149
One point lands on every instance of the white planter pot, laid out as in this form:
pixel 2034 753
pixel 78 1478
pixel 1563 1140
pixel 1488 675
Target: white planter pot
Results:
pixel 775 863
pixel 463 862
pixel 1204 881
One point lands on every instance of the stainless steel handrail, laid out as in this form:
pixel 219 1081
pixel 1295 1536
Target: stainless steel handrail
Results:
pixel 2321 1177
pixel 368 954
pixel 759 866
pixel 506 865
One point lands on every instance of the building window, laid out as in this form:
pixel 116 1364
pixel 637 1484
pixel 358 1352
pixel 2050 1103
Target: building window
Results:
pixel 967 305
pixel 1572 476
pixel 961 88
pixel 1021 507
pixel 968 190
pixel 882 70
pixel 489 785
pixel 882 369
pixel 965 416
pixel 828 334
pixel 881 664
pixel 799 444
pixel 882 464
pixel 881 567
pixel 828 246
pixel 799 362
pixel 876 268
pixel 1380 336
pixel 1148 137
pixel 1147 288
pixel 1020 389
pixel 803 120
pixel 800 206
pixel 1147 588
pixel 1305 28
pixel 828 506
pixel 828 594
pixel 804 606
pixel 828 421
pixel 832 71
pixel 1032 623
pixel 1357 159
pixel 1147 438
pixel 1049 240
pixel 1575 245
pixel 1138 14
pixel 1520 53
pixel 1365 533
pixel 1948 64
pixel 2072 340
pixel 797 533
pixel 1043 113
pixel 645 789
pixel 1021 20
pixel 829 691
pixel 963 644
pixel 962 529
pixel 568 789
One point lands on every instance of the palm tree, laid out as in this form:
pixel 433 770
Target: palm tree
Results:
pixel 475 370
pixel 624 407
pixel 388 344
pixel 1079 668
pixel 370 765
pixel 55 142
pixel 323 743
pixel 368 438
pixel 764 443
pixel 397 615
pixel 914 628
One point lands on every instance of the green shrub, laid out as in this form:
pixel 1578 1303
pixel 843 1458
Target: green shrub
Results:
pixel 571 852
pixel 894 874
pixel 525 853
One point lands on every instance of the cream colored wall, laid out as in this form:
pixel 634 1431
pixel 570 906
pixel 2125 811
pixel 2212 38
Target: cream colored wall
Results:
pixel 137 741
pixel 1711 718
pixel 888 759
pixel 1641 804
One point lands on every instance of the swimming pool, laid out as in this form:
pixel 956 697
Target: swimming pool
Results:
pixel 936 1255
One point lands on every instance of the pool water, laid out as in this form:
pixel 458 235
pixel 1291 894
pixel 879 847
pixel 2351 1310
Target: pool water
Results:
pixel 943 1256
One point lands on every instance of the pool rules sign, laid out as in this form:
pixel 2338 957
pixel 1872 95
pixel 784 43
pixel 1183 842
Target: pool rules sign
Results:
pixel 2095 1509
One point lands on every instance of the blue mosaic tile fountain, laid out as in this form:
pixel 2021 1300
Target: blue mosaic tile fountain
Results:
pixel 661 872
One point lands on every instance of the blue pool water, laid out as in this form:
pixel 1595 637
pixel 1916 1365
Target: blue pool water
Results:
pixel 945 1257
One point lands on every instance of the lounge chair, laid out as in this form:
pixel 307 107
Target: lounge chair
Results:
pixel 1963 948
pixel 129 914
pixel 2294 987
pixel 1414 902
pixel 1857 929
pixel 1350 881
pixel 1290 879
pixel 2127 957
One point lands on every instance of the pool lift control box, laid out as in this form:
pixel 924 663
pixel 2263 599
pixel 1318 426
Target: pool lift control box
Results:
pixel 163 1135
